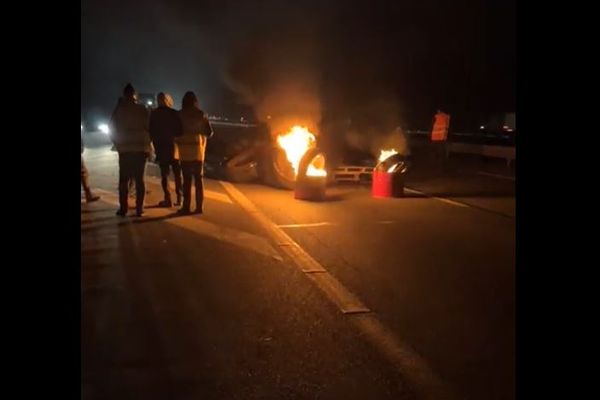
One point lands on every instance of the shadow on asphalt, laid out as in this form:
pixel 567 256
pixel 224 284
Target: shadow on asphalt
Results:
pixel 122 221
pixel 96 210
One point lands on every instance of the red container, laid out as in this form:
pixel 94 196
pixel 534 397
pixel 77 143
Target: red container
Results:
pixel 387 184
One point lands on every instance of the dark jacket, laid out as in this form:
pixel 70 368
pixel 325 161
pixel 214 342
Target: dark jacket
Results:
pixel 165 126
pixel 129 127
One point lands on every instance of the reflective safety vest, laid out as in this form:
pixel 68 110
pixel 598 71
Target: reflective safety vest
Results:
pixel 441 123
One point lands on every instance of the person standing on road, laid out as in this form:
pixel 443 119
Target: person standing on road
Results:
pixel 89 196
pixel 130 184
pixel 192 145
pixel 439 136
pixel 165 126
pixel 129 133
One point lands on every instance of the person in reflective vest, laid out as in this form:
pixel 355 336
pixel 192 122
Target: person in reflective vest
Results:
pixel 192 145
pixel 439 135
pixel 131 138
pixel 441 123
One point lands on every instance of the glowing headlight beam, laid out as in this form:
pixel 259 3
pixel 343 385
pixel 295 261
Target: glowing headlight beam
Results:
pixel 104 129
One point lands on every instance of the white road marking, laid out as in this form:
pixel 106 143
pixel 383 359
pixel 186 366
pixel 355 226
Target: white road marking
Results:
pixel 452 202
pixel 306 225
pixel 344 299
pixel 247 241
pixel 510 178
pixel 443 200
pixel 414 191
pixel 413 367
pixel 209 194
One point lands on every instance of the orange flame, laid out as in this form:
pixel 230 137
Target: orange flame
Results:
pixel 296 143
pixel 385 154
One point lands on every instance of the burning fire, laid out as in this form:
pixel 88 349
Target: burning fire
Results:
pixel 385 154
pixel 296 143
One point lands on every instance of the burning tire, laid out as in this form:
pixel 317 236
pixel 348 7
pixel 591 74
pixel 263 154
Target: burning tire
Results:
pixel 394 164
pixel 311 187
pixel 309 157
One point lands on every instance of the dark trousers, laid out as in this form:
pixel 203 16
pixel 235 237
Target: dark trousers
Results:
pixel 131 167
pixel 192 170
pixel 165 169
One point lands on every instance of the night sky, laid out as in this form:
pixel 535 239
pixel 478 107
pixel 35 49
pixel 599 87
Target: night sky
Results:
pixel 324 60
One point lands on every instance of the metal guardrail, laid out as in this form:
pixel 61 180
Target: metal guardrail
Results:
pixel 215 122
pixel 507 152
pixel 352 173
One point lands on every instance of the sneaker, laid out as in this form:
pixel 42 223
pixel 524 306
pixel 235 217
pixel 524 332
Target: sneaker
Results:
pixel 184 211
pixel 198 211
pixel 121 213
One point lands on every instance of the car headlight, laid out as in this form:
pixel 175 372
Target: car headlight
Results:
pixel 104 129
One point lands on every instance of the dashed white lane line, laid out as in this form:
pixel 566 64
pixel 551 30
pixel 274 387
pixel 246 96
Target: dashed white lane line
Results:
pixel 309 225
pixel 410 364
pixel 452 202
pixel 509 178
pixel 235 237
pixel 443 200
pixel 346 301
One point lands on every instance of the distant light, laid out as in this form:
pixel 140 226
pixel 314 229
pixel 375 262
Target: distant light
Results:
pixel 149 102
pixel 509 130
pixel 104 129
pixel 482 127
pixel 81 128
pixel 505 127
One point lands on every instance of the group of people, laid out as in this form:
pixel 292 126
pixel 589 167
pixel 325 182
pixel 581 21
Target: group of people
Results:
pixel 179 138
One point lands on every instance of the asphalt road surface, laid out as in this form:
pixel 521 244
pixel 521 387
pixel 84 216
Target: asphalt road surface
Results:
pixel 267 297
